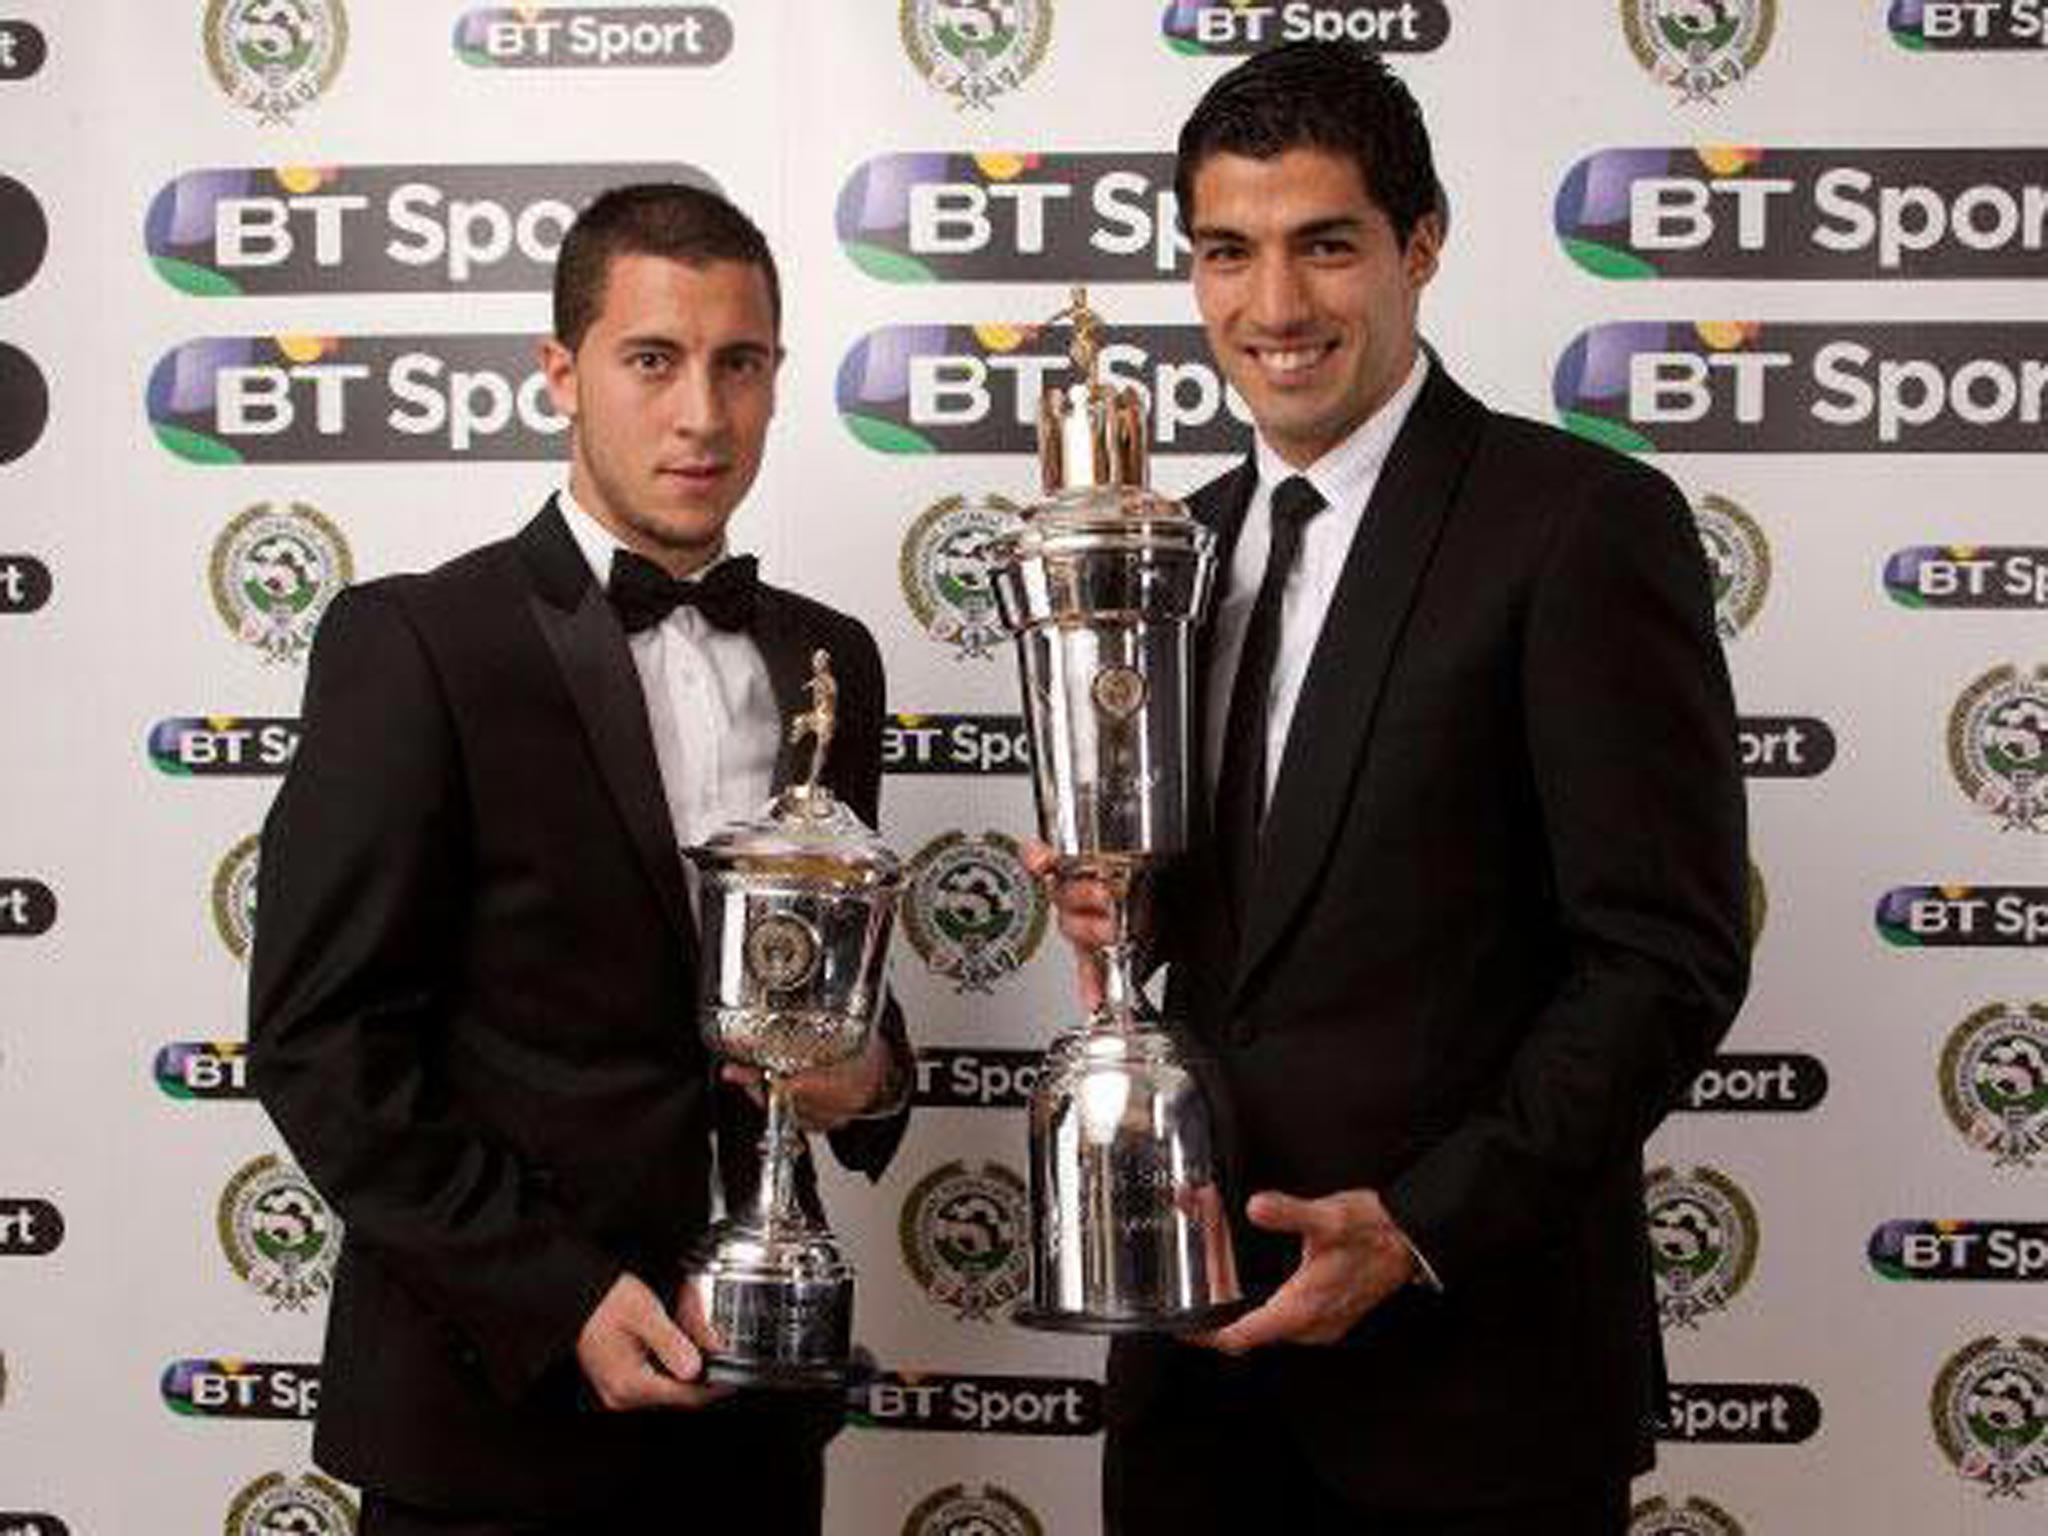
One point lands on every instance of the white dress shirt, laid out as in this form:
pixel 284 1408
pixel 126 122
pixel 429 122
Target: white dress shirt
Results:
pixel 1345 477
pixel 710 705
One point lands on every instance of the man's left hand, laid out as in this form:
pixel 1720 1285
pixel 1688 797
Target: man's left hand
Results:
pixel 826 1099
pixel 1353 1258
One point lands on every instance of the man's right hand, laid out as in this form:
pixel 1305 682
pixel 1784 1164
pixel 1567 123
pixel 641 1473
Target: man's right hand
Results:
pixel 634 1355
pixel 1083 909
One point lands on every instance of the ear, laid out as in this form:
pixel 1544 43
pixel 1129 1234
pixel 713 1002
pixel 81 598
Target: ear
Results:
pixel 558 367
pixel 1425 245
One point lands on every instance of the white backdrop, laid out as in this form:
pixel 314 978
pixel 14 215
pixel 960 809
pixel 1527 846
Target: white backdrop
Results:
pixel 122 1343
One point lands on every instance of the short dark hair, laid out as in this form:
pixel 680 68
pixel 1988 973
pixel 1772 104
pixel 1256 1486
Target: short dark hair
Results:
pixel 662 218
pixel 1332 96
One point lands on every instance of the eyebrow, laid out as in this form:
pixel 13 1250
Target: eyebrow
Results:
pixel 1338 223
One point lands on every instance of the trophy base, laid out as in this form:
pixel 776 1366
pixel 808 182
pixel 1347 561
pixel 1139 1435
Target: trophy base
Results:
pixel 1200 1320
pixel 781 1305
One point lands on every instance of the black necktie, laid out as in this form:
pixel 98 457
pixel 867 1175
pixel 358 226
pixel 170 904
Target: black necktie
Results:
pixel 1241 781
pixel 644 594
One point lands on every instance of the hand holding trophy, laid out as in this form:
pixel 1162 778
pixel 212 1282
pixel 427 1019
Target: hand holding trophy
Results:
pixel 1103 588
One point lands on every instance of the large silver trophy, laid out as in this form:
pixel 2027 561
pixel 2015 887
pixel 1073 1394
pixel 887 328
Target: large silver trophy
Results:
pixel 1102 588
pixel 796 907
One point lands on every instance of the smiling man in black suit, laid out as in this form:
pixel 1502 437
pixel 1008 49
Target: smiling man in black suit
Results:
pixel 473 990
pixel 1467 911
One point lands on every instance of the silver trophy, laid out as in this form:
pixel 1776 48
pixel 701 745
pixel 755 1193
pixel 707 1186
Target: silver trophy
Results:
pixel 796 907
pixel 1103 588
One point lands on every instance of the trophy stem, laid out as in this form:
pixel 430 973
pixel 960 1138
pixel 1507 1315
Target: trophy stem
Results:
pixel 777 1206
pixel 1122 1001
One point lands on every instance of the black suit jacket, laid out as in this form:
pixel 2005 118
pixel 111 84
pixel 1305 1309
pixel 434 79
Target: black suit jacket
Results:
pixel 473 1017
pixel 1496 925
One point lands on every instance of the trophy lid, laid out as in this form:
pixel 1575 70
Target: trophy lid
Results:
pixel 805 834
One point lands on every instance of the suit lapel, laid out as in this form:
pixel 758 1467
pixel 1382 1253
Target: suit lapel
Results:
pixel 590 648
pixel 1221 507
pixel 1339 701
pixel 787 651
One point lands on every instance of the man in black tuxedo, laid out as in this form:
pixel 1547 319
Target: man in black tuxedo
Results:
pixel 1467 910
pixel 473 1009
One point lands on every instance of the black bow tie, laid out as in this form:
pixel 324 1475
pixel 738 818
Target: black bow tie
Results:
pixel 644 594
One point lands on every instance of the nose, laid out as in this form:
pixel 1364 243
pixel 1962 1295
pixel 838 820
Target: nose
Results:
pixel 1279 298
pixel 697 401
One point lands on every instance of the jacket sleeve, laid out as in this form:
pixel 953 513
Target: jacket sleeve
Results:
pixel 363 892
pixel 1631 736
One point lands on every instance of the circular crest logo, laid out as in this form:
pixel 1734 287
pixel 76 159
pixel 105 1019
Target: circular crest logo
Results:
pixel 1698 47
pixel 278 1233
pixel 273 56
pixel 974 50
pixel 958 1510
pixel 276 1505
pixel 234 897
pixel 782 951
pixel 974 912
pixel 275 569
pixel 1695 1517
pixel 1998 746
pixel 1738 561
pixel 1990 1410
pixel 1994 1081
pixel 944 570
pixel 963 1237
pixel 1703 1242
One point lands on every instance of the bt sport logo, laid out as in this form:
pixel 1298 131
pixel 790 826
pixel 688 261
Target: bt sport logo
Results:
pixel 593 36
pixel 1209 28
pixel 1968 26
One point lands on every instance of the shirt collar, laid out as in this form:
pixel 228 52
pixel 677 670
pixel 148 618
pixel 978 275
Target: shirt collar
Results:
pixel 1342 475
pixel 597 541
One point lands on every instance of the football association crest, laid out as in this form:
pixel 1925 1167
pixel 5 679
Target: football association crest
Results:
pixel 1738 562
pixel 1998 746
pixel 1659 1516
pixel 1990 1410
pixel 234 897
pixel 962 1232
pixel 276 1505
pixel 274 570
pixel 960 1510
pixel 1994 1081
pixel 972 909
pixel 1703 1242
pixel 274 56
pixel 944 570
pixel 974 50
pixel 278 1233
pixel 1699 47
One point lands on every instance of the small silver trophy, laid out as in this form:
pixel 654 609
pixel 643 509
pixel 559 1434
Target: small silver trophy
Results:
pixel 796 908
pixel 1103 588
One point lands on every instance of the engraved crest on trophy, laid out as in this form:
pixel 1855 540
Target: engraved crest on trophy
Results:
pixel 1103 588
pixel 796 909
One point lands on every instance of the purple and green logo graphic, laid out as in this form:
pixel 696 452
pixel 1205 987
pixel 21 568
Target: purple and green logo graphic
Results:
pixel 1013 218
pixel 353 400
pixel 223 746
pixel 376 228
pixel 1928 1248
pixel 593 36
pixel 1964 916
pixel 240 1389
pixel 1726 211
pixel 22 49
pixel 1739 386
pixel 976 388
pixel 24 403
pixel 1968 26
pixel 194 1070
pixel 1968 576
pixel 1202 28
